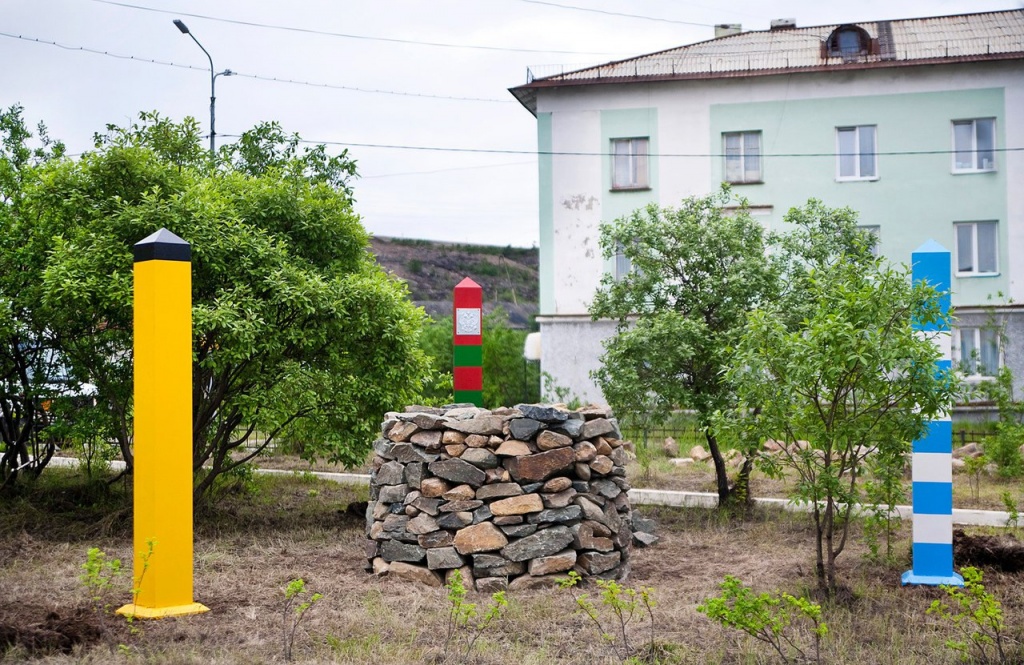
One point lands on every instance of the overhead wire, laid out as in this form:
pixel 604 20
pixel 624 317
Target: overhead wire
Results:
pixel 327 33
pixel 258 77
pixel 566 153
pixel 607 13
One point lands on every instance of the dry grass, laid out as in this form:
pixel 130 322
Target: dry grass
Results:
pixel 251 544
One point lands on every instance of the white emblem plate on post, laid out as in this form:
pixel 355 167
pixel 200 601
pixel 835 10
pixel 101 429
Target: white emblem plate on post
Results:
pixel 467 321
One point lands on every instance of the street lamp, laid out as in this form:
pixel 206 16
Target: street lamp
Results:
pixel 213 80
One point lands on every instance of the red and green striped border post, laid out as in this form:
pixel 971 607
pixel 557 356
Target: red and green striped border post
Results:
pixel 467 342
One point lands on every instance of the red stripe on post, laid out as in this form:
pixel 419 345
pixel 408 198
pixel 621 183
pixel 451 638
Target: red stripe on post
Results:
pixel 468 378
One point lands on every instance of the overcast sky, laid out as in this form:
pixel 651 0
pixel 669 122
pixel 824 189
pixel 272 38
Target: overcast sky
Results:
pixel 390 88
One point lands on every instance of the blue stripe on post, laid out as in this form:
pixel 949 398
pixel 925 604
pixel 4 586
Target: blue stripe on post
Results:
pixel 931 263
pixel 933 498
pixel 933 562
pixel 938 438
pixel 933 559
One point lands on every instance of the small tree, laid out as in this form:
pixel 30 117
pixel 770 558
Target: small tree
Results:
pixel 851 377
pixel 297 334
pixel 30 365
pixel 697 271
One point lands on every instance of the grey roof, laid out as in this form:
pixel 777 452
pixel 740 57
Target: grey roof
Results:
pixel 964 37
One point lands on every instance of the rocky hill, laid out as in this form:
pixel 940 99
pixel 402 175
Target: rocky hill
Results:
pixel 508 275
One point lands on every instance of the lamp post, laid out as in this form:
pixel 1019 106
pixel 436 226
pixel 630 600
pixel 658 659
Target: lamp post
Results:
pixel 213 81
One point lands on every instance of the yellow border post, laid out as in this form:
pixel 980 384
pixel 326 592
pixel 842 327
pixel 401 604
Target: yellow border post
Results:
pixel 162 568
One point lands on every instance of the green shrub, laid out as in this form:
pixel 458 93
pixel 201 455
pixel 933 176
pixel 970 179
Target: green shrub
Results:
pixel 770 618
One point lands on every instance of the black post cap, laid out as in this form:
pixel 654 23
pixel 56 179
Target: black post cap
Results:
pixel 162 246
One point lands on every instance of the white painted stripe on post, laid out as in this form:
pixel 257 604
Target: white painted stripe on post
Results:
pixel 932 467
pixel 933 529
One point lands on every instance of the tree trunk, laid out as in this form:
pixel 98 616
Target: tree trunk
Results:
pixel 721 478
pixel 819 564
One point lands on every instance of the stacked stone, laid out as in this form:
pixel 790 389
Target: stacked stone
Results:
pixel 511 497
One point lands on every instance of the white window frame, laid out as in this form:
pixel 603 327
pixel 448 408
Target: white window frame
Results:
pixel 874 154
pixel 974 272
pixel 743 155
pixel 637 163
pixel 969 366
pixel 973 148
pixel 621 264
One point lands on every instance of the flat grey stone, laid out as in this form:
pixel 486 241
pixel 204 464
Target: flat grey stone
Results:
pixel 556 515
pixel 458 471
pixel 391 550
pixel 383 448
pixel 542 543
pixel 643 539
pixel 524 428
pixel 482 514
pixel 428 506
pixel 519 530
pixel 444 557
pixel 644 524
pixel 486 425
pixel 545 414
pixel 605 488
pixel 572 428
pixel 491 565
pixel 598 427
pixel 595 563
pixel 393 493
pixel 455 520
pixel 435 539
pixel 480 457
pixel 390 473
pixel 499 491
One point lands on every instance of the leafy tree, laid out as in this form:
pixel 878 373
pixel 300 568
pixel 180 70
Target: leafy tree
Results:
pixel 30 367
pixel 851 378
pixel 697 271
pixel 508 378
pixel 297 334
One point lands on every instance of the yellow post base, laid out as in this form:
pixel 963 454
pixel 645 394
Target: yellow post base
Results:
pixel 140 612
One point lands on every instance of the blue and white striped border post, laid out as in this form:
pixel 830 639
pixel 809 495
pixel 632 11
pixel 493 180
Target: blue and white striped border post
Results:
pixel 933 452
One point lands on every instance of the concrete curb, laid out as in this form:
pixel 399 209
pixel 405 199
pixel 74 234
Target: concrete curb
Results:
pixel 639 497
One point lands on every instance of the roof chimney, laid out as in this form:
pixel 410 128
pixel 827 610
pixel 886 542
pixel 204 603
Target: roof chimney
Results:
pixel 726 29
pixel 783 23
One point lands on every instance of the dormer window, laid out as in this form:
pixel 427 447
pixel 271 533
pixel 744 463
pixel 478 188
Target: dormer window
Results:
pixel 847 42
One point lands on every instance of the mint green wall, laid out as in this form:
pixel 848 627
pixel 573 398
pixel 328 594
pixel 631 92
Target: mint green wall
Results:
pixel 623 124
pixel 547 213
pixel 916 196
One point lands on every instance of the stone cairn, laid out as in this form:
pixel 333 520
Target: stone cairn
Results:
pixel 511 497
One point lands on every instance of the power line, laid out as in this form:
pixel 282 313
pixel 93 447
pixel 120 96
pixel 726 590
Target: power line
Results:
pixel 455 168
pixel 257 77
pixel 311 31
pixel 557 153
pixel 602 11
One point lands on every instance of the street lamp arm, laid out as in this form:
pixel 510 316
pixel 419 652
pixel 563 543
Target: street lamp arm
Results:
pixel 208 57
pixel 213 81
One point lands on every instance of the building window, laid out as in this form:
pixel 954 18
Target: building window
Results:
pixel 978 351
pixel 742 156
pixel 873 233
pixel 856 148
pixel 629 163
pixel 974 143
pixel 623 265
pixel 848 42
pixel 976 248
